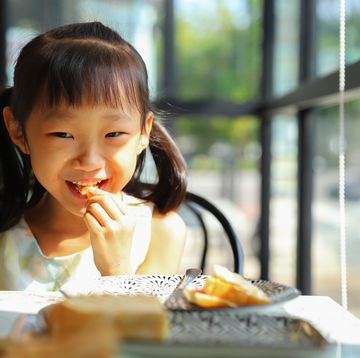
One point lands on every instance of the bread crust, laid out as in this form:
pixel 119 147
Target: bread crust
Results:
pixel 134 317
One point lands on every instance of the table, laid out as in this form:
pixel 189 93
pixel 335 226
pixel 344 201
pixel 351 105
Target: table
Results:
pixel 340 328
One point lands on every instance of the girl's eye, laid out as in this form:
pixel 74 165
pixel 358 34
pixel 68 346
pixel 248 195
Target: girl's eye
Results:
pixel 62 135
pixel 114 134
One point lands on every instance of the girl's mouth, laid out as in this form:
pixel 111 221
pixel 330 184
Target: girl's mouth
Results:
pixel 81 188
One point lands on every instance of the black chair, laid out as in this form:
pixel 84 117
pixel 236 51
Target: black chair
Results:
pixel 198 205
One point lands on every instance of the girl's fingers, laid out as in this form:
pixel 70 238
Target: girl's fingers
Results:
pixel 120 206
pixel 109 205
pixel 108 199
pixel 91 222
pixel 96 191
pixel 101 215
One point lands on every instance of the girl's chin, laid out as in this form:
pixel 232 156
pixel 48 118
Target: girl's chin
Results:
pixel 82 212
pixel 77 211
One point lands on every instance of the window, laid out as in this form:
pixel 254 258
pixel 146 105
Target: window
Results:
pixel 223 160
pixel 218 49
pixel 286 46
pixel 283 204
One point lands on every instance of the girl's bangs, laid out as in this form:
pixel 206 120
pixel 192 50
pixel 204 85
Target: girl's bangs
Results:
pixel 94 74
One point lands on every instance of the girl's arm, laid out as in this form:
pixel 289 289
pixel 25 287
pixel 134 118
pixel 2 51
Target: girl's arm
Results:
pixel 111 231
pixel 166 248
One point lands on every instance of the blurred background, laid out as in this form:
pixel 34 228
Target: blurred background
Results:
pixel 250 91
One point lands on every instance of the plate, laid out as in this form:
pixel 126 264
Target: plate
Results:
pixel 163 285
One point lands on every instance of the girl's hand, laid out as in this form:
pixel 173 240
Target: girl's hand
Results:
pixel 111 231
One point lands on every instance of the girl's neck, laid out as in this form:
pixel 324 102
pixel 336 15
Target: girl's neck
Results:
pixel 49 214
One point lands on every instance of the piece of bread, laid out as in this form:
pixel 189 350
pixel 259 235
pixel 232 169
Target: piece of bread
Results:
pixel 204 300
pixel 253 294
pixel 226 289
pixel 135 317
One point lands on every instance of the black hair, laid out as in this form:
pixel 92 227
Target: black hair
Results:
pixel 75 63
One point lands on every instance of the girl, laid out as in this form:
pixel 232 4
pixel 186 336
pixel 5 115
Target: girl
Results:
pixel 73 137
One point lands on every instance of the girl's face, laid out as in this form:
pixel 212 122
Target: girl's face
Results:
pixel 73 147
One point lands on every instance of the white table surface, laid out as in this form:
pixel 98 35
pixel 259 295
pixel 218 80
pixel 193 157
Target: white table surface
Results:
pixel 333 321
pixel 339 327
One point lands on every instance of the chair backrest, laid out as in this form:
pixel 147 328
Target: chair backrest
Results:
pixel 198 205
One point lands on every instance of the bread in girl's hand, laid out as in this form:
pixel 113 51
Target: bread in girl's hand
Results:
pixel 226 289
pixel 86 190
pixel 134 317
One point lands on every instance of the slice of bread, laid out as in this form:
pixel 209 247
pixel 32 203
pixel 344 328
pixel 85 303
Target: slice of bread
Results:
pixel 226 289
pixel 134 317
pixel 202 299
pixel 246 292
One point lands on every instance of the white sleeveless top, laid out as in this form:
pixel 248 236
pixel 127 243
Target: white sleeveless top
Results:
pixel 24 267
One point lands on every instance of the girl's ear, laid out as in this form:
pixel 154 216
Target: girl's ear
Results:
pixel 15 131
pixel 145 134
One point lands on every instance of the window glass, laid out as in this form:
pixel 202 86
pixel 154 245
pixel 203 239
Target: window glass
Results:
pixel 326 232
pixel 286 46
pixel 218 48
pixel 283 202
pixel 327 57
pixel 223 155
pixel 137 21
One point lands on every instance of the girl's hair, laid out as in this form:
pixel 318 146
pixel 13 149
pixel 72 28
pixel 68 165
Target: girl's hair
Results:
pixel 77 63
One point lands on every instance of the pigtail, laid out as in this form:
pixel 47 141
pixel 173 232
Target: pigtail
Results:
pixel 14 173
pixel 170 189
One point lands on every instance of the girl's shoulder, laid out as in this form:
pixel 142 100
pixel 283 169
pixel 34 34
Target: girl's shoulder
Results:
pixel 162 225
pixel 168 236
pixel 169 225
pixel 171 217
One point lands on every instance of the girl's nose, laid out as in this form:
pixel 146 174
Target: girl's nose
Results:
pixel 89 159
